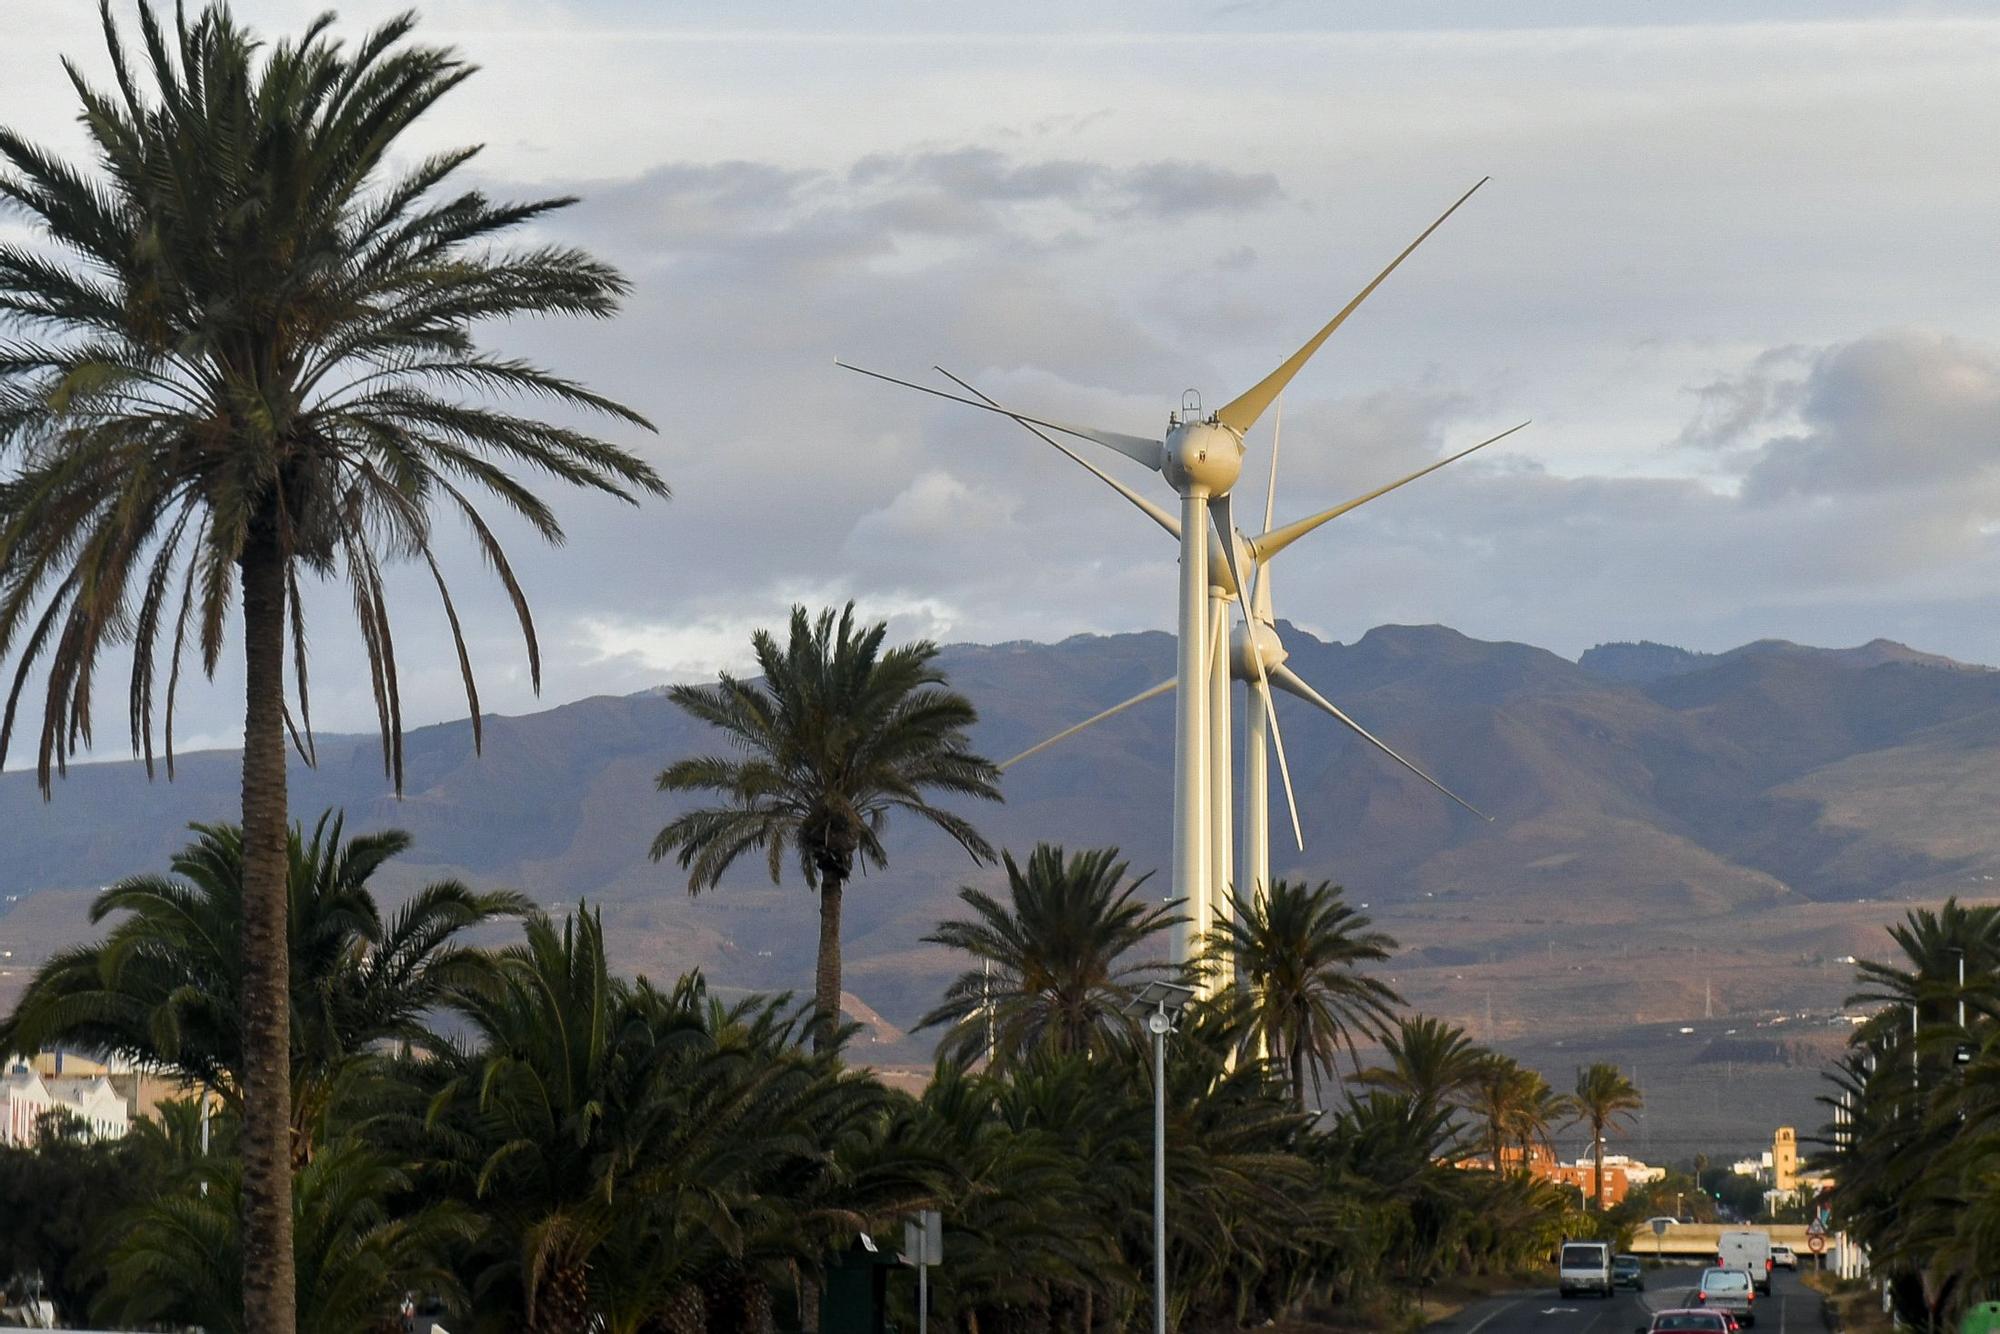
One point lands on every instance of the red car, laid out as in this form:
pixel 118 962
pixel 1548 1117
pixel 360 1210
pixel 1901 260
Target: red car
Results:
pixel 1690 1321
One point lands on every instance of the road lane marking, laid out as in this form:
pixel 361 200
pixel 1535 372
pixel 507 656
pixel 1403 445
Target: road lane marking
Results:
pixel 1489 1316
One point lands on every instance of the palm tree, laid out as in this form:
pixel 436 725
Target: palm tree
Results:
pixel 165 987
pixel 1517 1105
pixel 1604 1099
pixel 362 1243
pixel 247 356
pixel 1058 967
pixel 1431 1062
pixel 629 1150
pixel 1296 954
pixel 836 736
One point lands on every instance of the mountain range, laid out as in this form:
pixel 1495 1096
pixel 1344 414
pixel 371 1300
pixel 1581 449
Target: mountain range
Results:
pixel 1676 836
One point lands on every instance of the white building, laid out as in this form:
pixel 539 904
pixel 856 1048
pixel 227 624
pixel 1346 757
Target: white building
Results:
pixel 1636 1172
pixel 92 1100
pixel 24 1100
pixel 26 1097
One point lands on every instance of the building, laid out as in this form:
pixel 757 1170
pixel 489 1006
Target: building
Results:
pixel 26 1097
pixel 1621 1172
pixel 24 1101
pixel 1785 1160
pixel 92 1100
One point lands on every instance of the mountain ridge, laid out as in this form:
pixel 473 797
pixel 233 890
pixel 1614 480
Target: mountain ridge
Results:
pixel 1763 811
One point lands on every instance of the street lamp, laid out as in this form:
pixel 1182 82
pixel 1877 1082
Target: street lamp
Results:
pixel 1161 1002
pixel 1959 950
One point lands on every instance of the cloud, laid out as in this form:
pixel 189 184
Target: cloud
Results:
pixel 1911 409
pixel 1085 221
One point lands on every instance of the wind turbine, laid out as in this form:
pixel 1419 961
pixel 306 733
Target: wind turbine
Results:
pixel 1243 658
pixel 1200 456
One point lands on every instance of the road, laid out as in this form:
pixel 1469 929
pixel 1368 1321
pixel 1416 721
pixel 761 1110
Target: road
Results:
pixel 1792 1308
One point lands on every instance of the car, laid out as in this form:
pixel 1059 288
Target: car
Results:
pixel 1667 1220
pixel 1627 1271
pixel 1584 1266
pixel 1728 1290
pixel 1784 1257
pixel 1690 1320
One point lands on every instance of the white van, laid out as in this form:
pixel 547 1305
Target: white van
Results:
pixel 1748 1251
pixel 1584 1266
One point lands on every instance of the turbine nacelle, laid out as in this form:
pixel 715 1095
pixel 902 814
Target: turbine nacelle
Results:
pixel 1202 458
pixel 1243 667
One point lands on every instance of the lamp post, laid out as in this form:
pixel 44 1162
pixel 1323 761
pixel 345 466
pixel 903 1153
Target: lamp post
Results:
pixel 1161 1002
pixel 1959 950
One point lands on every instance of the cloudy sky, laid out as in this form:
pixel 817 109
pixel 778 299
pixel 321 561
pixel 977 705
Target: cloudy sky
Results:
pixel 1740 274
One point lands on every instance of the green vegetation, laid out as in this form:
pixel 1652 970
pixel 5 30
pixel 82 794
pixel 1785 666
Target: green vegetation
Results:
pixel 1057 972
pixel 1295 952
pixel 1914 1145
pixel 538 1144
pixel 244 355
pixel 835 736
pixel 164 988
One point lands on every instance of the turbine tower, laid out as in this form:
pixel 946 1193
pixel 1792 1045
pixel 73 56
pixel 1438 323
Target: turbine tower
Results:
pixel 1200 455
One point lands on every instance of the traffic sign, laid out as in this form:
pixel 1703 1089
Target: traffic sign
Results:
pixel 1659 1227
pixel 1816 1242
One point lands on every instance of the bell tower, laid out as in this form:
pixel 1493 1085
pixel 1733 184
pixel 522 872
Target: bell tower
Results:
pixel 1785 1159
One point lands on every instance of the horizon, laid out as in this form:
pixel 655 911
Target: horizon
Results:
pixel 211 746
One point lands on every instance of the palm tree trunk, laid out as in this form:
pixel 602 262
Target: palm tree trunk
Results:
pixel 1597 1172
pixel 1297 1057
pixel 826 979
pixel 270 1302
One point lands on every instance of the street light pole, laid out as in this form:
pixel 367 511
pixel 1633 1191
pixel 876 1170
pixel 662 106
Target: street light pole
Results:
pixel 1961 989
pixel 1161 1002
pixel 1161 1024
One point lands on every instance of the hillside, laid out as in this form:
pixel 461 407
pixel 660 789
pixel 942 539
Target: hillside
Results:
pixel 1672 831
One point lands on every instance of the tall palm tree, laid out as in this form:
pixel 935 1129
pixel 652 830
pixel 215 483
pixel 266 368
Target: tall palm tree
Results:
pixel 165 987
pixel 1604 1099
pixel 1058 963
pixel 1431 1062
pixel 836 736
pixel 1296 954
pixel 246 356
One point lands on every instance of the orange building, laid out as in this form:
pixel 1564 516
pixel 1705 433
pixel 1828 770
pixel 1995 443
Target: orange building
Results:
pixel 1542 1165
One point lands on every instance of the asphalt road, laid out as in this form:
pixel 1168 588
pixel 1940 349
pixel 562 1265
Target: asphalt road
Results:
pixel 1792 1308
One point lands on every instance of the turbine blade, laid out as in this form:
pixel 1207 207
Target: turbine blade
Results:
pixel 1284 769
pixel 1092 721
pixel 1277 539
pixel 1134 447
pixel 1289 680
pixel 1156 513
pixel 1242 412
pixel 1271 484
pixel 1221 511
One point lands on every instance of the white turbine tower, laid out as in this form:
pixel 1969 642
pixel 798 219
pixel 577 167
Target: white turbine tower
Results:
pixel 1201 458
